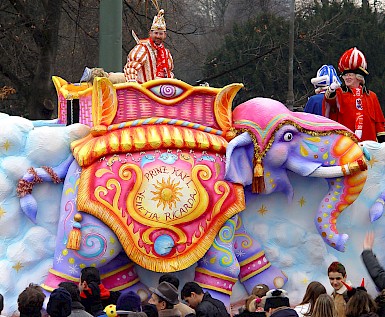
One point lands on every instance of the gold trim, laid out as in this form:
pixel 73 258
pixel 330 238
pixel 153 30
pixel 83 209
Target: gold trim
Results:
pixel 217 275
pixel 253 258
pixel 214 288
pixel 62 275
pixel 223 105
pixel 245 278
pixel 136 139
pixel 124 286
pixel 104 102
pixel 47 288
pixel 103 276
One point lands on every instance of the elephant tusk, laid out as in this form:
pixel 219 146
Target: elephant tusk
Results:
pixel 340 170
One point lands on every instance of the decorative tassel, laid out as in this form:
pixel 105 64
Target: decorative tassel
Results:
pixel 75 235
pixel 258 185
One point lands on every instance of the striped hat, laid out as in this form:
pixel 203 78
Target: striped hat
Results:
pixel 159 24
pixel 353 61
pixel 325 76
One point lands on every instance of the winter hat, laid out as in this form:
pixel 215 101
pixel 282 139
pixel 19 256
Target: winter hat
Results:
pixel 353 61
pixel 276 298
pixel 159 24
pixel 59 303
pixel 128 302
pixel 166 291
pixel 325 76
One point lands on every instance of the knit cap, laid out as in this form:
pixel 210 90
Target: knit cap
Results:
pixel 276 298
pixel 59 303
pixel 128 302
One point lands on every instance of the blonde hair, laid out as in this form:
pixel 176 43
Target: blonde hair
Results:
pixel 361 78
pixel 324 307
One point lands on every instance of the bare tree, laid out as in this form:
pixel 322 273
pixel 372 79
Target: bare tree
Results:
pixel 28 48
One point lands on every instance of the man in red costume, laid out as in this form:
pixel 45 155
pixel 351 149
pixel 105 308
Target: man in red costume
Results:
pixel 149 59
pixel 352 104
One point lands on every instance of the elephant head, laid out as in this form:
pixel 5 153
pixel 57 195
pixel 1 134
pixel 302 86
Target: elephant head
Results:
pixel 273 140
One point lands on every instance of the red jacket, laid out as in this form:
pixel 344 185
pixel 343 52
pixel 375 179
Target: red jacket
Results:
pixel 341 107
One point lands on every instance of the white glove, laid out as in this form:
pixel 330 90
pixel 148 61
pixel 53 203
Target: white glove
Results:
pixel 334 85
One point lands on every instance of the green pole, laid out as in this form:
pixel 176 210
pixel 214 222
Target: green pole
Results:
pixel 110 35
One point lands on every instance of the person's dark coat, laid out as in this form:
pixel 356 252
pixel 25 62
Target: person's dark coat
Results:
pixel 246 313
pixel 77 310
pixel 211 307
pixel 375 270
pixel 284 312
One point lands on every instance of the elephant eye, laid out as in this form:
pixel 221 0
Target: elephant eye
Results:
pixel 288 136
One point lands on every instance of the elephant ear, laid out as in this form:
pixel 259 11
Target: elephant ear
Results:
pixel 239 160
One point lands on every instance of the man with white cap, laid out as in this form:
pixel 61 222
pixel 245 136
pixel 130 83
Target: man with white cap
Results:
pixel 164 297
pixel 149 59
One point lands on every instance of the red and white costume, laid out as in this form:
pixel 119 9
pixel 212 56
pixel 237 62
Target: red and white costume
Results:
pixel 144 62
pixel 147 60
pixel 342 107
pixel 356 108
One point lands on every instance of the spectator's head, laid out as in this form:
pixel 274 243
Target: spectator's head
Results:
pixel 165 296
pixel 30 301
pixel 88 275
pixel 1 303
pixel 313 291
pixel 128 302
pixel 336 274
pixel 276 298
pixel 324 306
pixel 59 303
pixel 172 279
pixel 360 304
pixel 192 294
pixel 73 289
pixel 251 303
pixel 380 301
pixel 150 310
pixel 260 290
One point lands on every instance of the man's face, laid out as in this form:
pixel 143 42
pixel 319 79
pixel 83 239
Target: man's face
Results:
pixel 336 279
pixel 351 80
pixel 158 36
pixel 192 300
pixel 155 300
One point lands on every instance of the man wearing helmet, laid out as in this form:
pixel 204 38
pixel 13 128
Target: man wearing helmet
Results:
pixel 325 76
pixel 352 104
pixel 149 59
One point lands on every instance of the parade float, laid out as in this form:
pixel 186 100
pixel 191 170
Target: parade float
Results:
pixel 139 180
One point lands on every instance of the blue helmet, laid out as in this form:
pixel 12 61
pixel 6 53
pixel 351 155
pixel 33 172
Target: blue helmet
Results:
pixel 325 76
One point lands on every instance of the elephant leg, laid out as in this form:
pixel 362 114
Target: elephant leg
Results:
pixel 98 244
pixel 218 269
pixel 254 266
pixel 120 275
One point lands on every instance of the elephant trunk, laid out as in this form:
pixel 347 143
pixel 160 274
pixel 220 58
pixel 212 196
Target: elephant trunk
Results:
pixel 343 191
